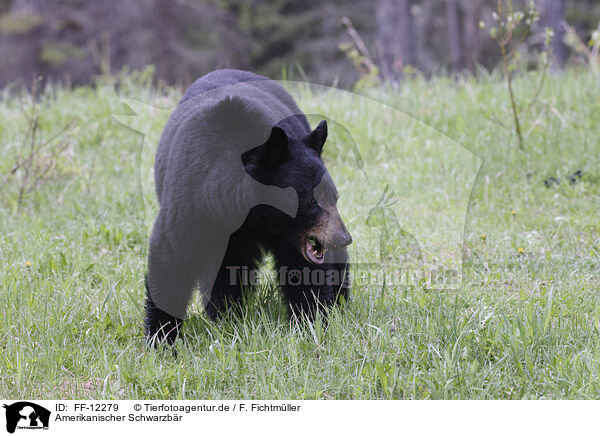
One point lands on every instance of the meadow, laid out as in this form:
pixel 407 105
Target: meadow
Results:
pixel 520 226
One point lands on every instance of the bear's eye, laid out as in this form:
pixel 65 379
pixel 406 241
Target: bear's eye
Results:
pixel 313 201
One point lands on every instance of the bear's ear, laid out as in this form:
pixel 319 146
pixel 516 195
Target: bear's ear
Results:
pixel 316 138
pixel 272 153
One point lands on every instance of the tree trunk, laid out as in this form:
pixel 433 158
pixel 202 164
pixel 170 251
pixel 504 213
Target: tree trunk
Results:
pixel 454 34
pixel 396 37
pixel 552 16
pixel 471 42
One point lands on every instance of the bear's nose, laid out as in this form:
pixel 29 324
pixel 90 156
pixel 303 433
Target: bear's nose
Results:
pixel 342 240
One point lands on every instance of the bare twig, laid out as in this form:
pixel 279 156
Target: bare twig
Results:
pixel 357 51
pixel 596 47
pixel 591 56
pixel 503 42
pixel 36 157
pixel 358 42
pixel 504 34
pixel 538 90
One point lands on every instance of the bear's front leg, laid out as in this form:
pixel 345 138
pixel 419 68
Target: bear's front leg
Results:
pixel 159 324
pixel 236 273
pixel 172 276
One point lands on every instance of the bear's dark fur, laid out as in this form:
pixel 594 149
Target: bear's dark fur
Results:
pixel 238 171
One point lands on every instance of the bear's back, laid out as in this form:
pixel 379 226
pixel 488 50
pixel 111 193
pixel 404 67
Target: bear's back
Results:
pixel 196 144
pixel 296 126
pixel 217 79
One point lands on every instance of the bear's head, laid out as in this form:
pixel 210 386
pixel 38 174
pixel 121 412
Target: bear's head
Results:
pixel 288 161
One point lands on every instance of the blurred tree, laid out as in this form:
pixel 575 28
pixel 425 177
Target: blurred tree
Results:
pixel 396 37
pixel 300 36
pixel 471 42
pixel 76 40
pixel 454 39
pixel 552 15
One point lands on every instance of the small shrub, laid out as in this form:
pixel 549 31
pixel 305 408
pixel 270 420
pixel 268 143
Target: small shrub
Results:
pixel 36 158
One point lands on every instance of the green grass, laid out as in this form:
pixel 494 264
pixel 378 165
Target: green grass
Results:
pixel 523 324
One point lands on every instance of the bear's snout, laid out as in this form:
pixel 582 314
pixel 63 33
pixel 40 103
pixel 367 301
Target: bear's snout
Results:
pixel 341 238
pixel 337 234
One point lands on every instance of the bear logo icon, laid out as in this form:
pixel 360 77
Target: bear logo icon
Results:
pixel 24 414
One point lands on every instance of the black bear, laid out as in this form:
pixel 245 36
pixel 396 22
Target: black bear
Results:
pixel 238 172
